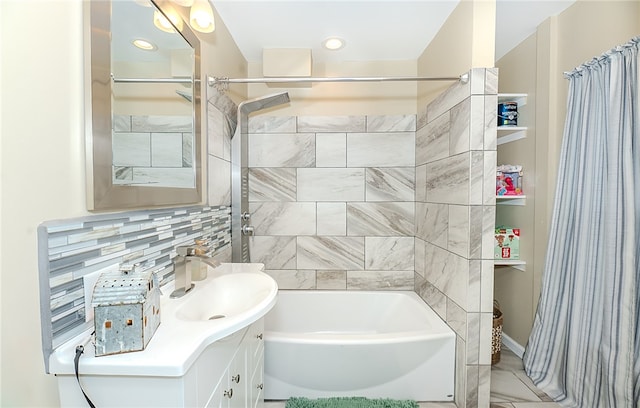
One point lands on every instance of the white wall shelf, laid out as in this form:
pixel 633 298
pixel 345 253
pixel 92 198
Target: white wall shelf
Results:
pixel 519 98
pixel 508 134
pixel 515 264
pixel 511 199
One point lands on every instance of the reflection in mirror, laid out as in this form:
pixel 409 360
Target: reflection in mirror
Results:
pixel 152 122
pixel 144 138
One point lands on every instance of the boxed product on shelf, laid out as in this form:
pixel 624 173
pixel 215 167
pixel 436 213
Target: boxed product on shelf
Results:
pixel 508 113
pixel 507 245
pixel 509 180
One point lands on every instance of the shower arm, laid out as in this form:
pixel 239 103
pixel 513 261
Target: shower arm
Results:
pixel 223 81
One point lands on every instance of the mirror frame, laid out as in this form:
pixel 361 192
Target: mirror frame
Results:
pixel 102 194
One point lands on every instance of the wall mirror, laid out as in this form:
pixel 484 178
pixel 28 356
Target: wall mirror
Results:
pixel 143 106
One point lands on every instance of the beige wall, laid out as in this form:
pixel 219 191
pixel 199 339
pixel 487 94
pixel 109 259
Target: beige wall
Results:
pixel 583 31
pixel 42 168
pixel 466 40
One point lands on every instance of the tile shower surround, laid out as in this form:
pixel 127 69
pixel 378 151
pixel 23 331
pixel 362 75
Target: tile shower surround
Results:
pixel 71 249
pixel 388 203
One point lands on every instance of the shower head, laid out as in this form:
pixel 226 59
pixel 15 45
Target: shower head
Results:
pixel 185 95
pixel 263 102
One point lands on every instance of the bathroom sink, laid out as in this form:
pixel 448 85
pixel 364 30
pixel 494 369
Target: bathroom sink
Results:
pixel 227 297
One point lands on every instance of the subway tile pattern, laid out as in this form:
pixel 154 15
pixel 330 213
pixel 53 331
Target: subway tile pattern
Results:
pixel 68 250
pixel 455 214
pixel 342 188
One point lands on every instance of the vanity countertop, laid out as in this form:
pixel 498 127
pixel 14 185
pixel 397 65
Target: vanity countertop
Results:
pixel 181 336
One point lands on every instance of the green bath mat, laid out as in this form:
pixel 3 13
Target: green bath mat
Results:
pixel 349 402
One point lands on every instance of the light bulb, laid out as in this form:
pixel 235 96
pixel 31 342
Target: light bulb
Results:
pixel 160 21
pixel 201 17
pixel 185 3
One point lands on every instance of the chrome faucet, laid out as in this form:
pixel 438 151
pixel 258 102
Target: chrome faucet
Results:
pixel 183 265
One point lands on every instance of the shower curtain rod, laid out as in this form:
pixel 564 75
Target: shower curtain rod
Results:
pixel 216 81
pixel 152 80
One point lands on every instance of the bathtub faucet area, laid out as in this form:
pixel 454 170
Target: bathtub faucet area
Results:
pixel 188 259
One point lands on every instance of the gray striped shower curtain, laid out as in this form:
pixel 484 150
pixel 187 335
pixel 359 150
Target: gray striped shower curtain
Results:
pixel 584 349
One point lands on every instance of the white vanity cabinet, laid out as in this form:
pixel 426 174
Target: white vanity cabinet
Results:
pixel 227 374
pixel 240 385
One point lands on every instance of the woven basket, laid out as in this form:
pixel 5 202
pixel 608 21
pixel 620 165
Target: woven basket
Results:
pixel 496 333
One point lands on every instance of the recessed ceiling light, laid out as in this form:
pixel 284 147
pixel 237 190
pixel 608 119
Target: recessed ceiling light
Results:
pixel 333 43
pixel 144 45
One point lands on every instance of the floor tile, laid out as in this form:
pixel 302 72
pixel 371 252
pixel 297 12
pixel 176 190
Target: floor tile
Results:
pixel 507 387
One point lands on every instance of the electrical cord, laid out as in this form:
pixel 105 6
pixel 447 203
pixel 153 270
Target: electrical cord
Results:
pixel 76 361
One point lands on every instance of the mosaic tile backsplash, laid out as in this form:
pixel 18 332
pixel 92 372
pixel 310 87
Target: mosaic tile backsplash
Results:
pixel 71 249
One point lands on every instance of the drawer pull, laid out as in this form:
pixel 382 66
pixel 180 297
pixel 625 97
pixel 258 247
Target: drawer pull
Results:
pixel 229 393
pixel 259 336
pixel 236 379
pixel 260 386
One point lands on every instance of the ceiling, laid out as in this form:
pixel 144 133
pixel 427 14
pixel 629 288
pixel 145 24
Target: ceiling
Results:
pixel 374 30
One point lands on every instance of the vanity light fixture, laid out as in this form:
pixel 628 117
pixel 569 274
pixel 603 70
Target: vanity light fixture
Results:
pixel 333 43
pixel 201 16
pixel 144 44
pixel 160 21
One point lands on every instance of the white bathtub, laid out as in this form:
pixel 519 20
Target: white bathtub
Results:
pixel 370 344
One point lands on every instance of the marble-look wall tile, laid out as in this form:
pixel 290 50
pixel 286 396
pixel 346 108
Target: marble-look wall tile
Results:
pixel 331 124
pixel 476 229
pixel 459 139
pixel 458 233
pixel 293 279
pixel 389 253
pixel 391 123
pixel 434 298
pixel 327 280
pixel 380 219
pixel 488 231
pixel 272 124
pixel 457 319
pixel 218 141
pixel 221 101
pixel 381 149
pixel 329 184
pixel 484 342
pixel 419 251
pixel 475 285
pixel 274 252
pixel 486 282
pixel 491 81
pixel 330 253
pixel 331 150
pixel 476 178
pixel 448 180
pixel 477 78
pixel 272 184
pixel 472 386
pixel 157 123
pixel 490 122
pixel 461 373
pixel 218 181
pixel 166 149
pixel 490 159
pixel 272 218
pixel 282 150
pixel 421 183
pixel 187 150
pixel 380 280
pixel 432 223
pixel 332 219
pixel 432 141
pixel 448 272
pixel 473 337
pixel 121 123
pixel 455 94
pixel 476 122
pixel 132 149
pixel 484 386
pixel 421 117
pixel 390 184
